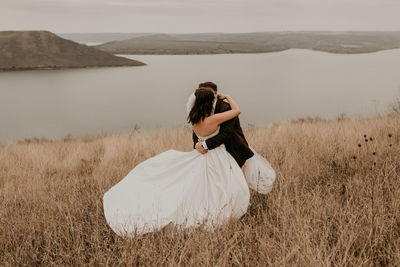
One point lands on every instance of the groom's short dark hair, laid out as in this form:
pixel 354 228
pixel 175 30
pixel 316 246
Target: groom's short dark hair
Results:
pixel 209 85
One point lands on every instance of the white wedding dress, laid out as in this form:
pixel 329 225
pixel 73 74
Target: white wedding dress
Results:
pixel 183 188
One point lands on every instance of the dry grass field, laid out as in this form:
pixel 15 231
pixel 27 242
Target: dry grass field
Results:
pixel 335 201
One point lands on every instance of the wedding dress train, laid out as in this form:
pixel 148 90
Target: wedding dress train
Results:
pixel 183 188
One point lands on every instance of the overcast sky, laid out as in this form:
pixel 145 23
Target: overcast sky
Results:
pixel 184 16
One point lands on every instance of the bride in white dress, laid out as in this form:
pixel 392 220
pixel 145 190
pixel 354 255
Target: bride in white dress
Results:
pixel 184 188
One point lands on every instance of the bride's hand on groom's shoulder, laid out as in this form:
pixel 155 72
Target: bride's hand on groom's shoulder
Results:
pixel 222 96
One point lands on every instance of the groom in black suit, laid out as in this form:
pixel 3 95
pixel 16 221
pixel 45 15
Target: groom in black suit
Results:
pixel 230 133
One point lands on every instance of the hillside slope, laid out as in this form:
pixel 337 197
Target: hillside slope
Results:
pixel 333 203
pixel 45 50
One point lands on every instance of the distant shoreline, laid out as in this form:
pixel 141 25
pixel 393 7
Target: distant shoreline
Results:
pixel 62 68
pixel 216 52
pixel 165 54
pixel 269 52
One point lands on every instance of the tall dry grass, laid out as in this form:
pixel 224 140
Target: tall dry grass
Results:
pixel 326 208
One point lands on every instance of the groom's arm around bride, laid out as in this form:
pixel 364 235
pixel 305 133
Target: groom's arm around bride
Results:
pixel 230 134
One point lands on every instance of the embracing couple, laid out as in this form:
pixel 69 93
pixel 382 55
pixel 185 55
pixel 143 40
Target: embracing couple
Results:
pixel 187 189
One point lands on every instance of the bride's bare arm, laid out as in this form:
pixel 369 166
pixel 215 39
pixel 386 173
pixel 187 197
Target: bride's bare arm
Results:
pixel 227 115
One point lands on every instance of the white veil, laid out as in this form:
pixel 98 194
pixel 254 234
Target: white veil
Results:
pixel 190 103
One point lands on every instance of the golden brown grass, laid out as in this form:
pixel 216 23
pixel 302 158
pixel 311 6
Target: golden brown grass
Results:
pixel 326 208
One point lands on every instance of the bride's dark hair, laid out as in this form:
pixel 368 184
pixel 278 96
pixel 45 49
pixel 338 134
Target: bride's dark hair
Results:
pixel 202 106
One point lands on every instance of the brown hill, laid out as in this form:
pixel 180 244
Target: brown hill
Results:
pixel 179 44
pixel 45 50
pixel 255 42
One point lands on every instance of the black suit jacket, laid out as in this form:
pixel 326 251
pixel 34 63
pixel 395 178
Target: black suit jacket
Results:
pixel 230 134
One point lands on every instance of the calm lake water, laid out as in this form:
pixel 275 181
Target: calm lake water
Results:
pixel 269 87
